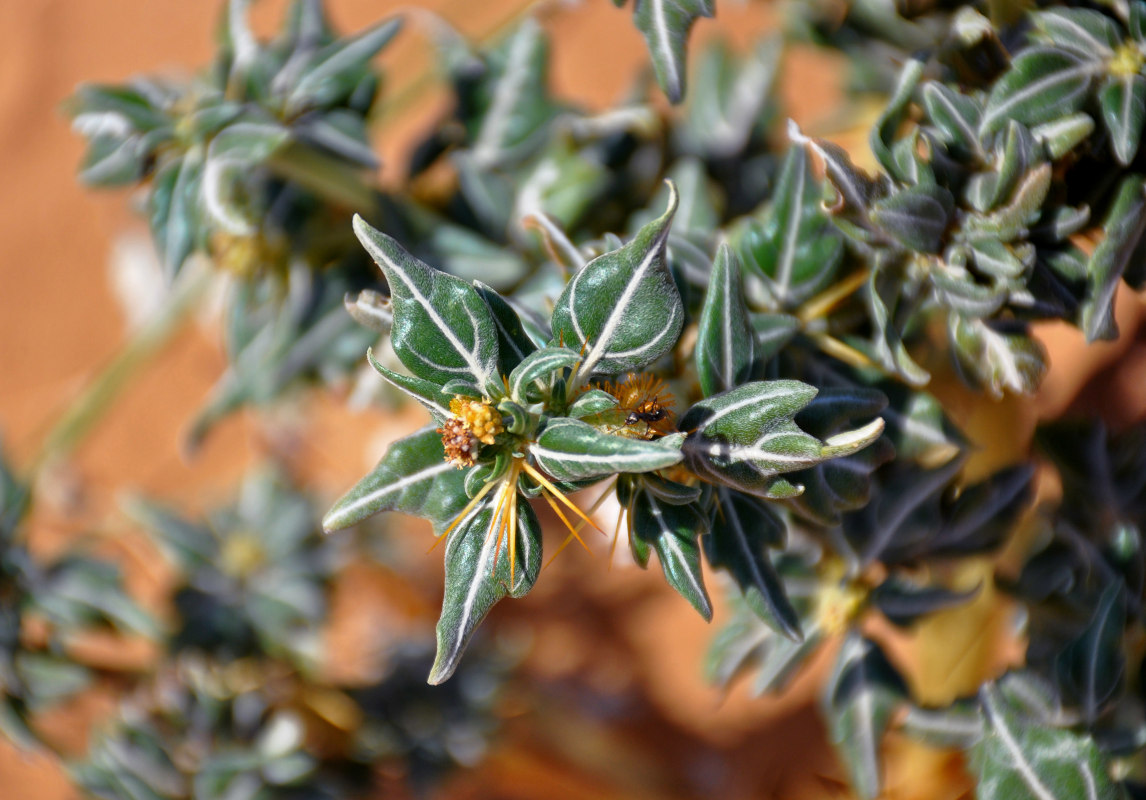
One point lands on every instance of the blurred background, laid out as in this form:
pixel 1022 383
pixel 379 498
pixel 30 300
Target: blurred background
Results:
pixel 609 700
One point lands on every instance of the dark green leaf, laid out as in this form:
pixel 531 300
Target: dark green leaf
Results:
pixel 1082 31
pixel 1124 225
pixel 426 394
pixel 996 356
pixel 479 573
pixel 1024 759
pixel 673 531
pixel 903 602
pixel 623 305
pixel 443 329
pixel 916 216
pixel 665 25
pixel 338 68
pixel 724 344
pixel 571 450
pixel 413 477
pixel 538 366
pixel 859 699
pixel 1042 84
pixel 1093 666
pixel 743 528
pixel 514 343
pixel 794 246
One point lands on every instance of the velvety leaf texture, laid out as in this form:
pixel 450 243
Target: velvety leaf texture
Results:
pixel 1021 758
pixel 665 25
pixel 571 450
pixel 623 306
pixel 478 575
pixel 443 330
pixel 413 477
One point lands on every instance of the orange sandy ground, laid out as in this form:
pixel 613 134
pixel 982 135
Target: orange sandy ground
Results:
pixel 59 323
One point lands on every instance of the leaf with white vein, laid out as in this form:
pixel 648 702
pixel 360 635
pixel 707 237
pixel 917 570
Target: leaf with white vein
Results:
pixel 413 477
pixel 745 437
pixel 859 698
pixel 339 67
pixel 1042 84
pixel 665 25
pixel 538 365
pixel 725 338
pixel 673 531
pixel 743 528
pixel 1124 226
pixel 478 575
pixel 443 330
pixel 571 450
pixel 623 307
pixel 426 394
pixel 1021 758
pixel 794 245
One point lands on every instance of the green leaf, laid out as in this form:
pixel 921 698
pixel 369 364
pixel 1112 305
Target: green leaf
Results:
pixel 1042 84
pixel 744 437
pixel 997 356
pixel 959 726
pixel 1024 759
pixel 665 25
pixel 955 115
pixel 443 329
pixel 1123 102
pixel 673 531
pixel 743 528
pixel 426 394
pixel 413 477
pixel 478 574
pixel 886 128
pixel 248 142
pixel 517 111
pixel 591 403
pixel 724 341
pixel 111 161
pixel 1082 31
pixel 904 602
pixel 571 450
pixel 916 216
pixel 732 99
pixel 859 699
pixel 1124 225
pixel 795 246
pixel 538 365
pixel 338 68
pixel 173 210
pixel 1092 666
pixel 623 305
pixel 513 342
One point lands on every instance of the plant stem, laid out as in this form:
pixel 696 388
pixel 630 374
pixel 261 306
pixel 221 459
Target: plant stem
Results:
pixel 99 395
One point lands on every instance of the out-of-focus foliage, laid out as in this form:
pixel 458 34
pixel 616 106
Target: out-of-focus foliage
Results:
pixel 731 334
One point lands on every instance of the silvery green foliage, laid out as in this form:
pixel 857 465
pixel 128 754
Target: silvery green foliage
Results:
pixel 204 728
pixel 255 163
pixel 219 155
pixel 247 741
pixel 618 315
pixel 253 575
pixel 65 597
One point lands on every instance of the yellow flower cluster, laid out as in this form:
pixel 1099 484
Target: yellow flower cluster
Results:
pixel 478 417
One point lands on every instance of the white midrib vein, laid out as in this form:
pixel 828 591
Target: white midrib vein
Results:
pixel 1019 760
pixel 478 370
pixel 742 541
pixel 587 458
pixel 672 545
pixel 486 148
pixel 664 42
pixel 1003 110
pixel 396 486
pixel 617 314
pixel 788 255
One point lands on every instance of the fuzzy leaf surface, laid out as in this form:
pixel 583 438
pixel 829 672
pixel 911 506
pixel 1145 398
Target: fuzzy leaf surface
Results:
pixel 665 25
pixel 478 575
pixel 623 305
pixel 413 477
pixel 724 344
pixel 443 329
pixel 673 531
pixel 572 450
